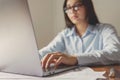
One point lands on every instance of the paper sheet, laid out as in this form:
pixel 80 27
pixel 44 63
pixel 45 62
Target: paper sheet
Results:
pixel 81 74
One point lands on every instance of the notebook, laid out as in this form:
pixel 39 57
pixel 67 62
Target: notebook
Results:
pixel 18 49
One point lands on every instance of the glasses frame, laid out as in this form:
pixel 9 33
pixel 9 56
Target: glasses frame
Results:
pixel 75 7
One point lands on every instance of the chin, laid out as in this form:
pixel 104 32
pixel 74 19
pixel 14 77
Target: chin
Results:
pixel 75 22
pixel 78 21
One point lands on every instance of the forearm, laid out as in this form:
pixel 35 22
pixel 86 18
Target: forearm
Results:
pixel 99 56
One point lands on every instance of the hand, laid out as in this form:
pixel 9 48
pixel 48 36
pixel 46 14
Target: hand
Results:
pixel 58 58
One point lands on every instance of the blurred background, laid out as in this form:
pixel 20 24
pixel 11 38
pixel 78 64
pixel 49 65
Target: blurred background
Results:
pixel 48 19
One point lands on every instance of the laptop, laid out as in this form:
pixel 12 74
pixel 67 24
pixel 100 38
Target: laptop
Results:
pixel 18 49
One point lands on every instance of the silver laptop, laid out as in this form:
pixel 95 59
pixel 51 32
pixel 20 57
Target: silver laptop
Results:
pixel 18 49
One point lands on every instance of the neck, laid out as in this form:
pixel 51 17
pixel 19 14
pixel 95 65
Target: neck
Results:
pixel 81 28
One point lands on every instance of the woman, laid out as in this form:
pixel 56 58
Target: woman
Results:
pixel 85 41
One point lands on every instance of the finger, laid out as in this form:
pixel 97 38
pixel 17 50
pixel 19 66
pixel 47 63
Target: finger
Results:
pixel 54 60
pixel 44 60
pixel 58 62
pixel 50 60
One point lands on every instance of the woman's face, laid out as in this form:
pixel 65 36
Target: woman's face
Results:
pixel 76 11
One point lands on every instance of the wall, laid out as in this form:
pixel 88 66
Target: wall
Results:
pixel 49 20
pixel 59 22
pixel 108 11
pixel 42 16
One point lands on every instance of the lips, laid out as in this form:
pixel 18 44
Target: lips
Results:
pixel 74 17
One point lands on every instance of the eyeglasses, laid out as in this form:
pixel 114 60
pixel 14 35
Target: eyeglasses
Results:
pixel 74 7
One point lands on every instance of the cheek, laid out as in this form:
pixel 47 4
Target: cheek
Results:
pixel 82 14
pixel 69 16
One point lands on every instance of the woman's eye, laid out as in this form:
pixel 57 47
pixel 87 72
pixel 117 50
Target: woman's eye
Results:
pixel 76 8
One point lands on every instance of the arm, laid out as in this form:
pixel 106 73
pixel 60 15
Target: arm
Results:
pixel 54 53
pixel 57 45
pixel 110 52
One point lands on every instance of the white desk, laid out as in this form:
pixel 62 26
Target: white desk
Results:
pixel 83 74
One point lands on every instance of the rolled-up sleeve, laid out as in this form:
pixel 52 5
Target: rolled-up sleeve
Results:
pixel 110 52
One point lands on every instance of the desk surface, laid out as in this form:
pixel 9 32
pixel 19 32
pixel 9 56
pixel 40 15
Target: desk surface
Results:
pixel 83 73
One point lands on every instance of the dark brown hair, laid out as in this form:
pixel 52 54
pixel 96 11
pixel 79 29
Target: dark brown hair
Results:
pixel 91 15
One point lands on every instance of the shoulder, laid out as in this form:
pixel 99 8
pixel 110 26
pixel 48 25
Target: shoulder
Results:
pixel 102 27
pixel 66 32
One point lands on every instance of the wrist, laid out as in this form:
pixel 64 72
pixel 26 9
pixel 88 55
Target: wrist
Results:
pixel 74 60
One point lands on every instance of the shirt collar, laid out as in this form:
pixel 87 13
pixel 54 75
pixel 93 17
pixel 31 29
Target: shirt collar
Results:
pixel 90 29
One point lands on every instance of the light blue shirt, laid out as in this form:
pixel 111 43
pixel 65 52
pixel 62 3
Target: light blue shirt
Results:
pixel 99 44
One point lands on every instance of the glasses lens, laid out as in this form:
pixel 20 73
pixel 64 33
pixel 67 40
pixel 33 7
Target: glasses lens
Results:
pixel 75 8
pixel 66 10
